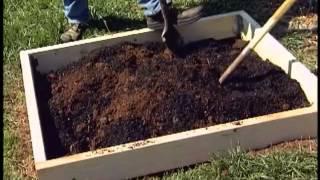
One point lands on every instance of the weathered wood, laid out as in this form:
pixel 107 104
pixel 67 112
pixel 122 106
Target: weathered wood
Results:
pixel 176 150
pixel 33 112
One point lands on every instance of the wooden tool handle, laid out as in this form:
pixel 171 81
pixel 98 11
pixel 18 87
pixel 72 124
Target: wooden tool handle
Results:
pixel 258 36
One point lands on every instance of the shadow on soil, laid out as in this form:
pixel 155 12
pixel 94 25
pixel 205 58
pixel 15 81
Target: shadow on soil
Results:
pixel 52 143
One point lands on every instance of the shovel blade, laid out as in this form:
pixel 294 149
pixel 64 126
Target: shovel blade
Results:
pixel 172 38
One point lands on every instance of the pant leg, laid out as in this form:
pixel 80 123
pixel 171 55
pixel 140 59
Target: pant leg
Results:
pixel 150 7
pixel 76 11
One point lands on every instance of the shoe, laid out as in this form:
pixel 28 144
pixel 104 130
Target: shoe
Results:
pixel 73 33
pixel 188 16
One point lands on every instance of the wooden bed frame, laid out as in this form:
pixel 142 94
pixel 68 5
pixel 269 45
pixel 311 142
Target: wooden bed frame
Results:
pixel 180 149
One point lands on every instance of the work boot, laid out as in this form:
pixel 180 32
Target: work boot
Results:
pixel 186 17
pixel 73 33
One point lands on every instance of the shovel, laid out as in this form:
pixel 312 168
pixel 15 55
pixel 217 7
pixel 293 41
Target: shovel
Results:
pixel 170 35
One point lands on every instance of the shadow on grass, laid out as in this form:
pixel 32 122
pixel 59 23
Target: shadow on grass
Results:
pixel 261 11
pixel 113 23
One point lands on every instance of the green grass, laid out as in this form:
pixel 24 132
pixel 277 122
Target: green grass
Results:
pixel 39 23
pixel 294 42
pixel 240 165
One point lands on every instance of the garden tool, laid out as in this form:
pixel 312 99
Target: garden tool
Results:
pixel 258 36
pixel 170 35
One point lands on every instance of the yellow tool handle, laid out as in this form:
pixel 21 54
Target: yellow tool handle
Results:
pixel 286 5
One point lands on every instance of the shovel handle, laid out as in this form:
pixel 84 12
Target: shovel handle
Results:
pixel 286 5
pixel 164 12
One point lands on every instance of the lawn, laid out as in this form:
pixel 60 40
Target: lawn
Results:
pixel 38 23
pixel 283 162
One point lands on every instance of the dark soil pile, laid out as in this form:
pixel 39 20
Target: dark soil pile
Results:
pixel 132 92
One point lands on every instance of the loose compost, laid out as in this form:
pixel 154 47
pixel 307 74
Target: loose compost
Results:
pixel 131 92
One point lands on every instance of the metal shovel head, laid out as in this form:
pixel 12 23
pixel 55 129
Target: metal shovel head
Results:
pixel 172 38
pixel 170 35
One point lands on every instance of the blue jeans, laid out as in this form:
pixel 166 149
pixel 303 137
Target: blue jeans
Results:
pixel 77 11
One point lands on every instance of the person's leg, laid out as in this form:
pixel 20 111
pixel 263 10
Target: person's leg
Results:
pixel 77 13
pixel 152 11
pixel 151 7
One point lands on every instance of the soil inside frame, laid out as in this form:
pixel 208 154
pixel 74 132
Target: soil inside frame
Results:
pixel 131 92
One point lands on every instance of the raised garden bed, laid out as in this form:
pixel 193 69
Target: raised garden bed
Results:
pixel 155 111
pixel 132 92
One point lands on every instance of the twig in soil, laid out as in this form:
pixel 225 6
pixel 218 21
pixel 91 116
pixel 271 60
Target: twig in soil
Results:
pixel 208 62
